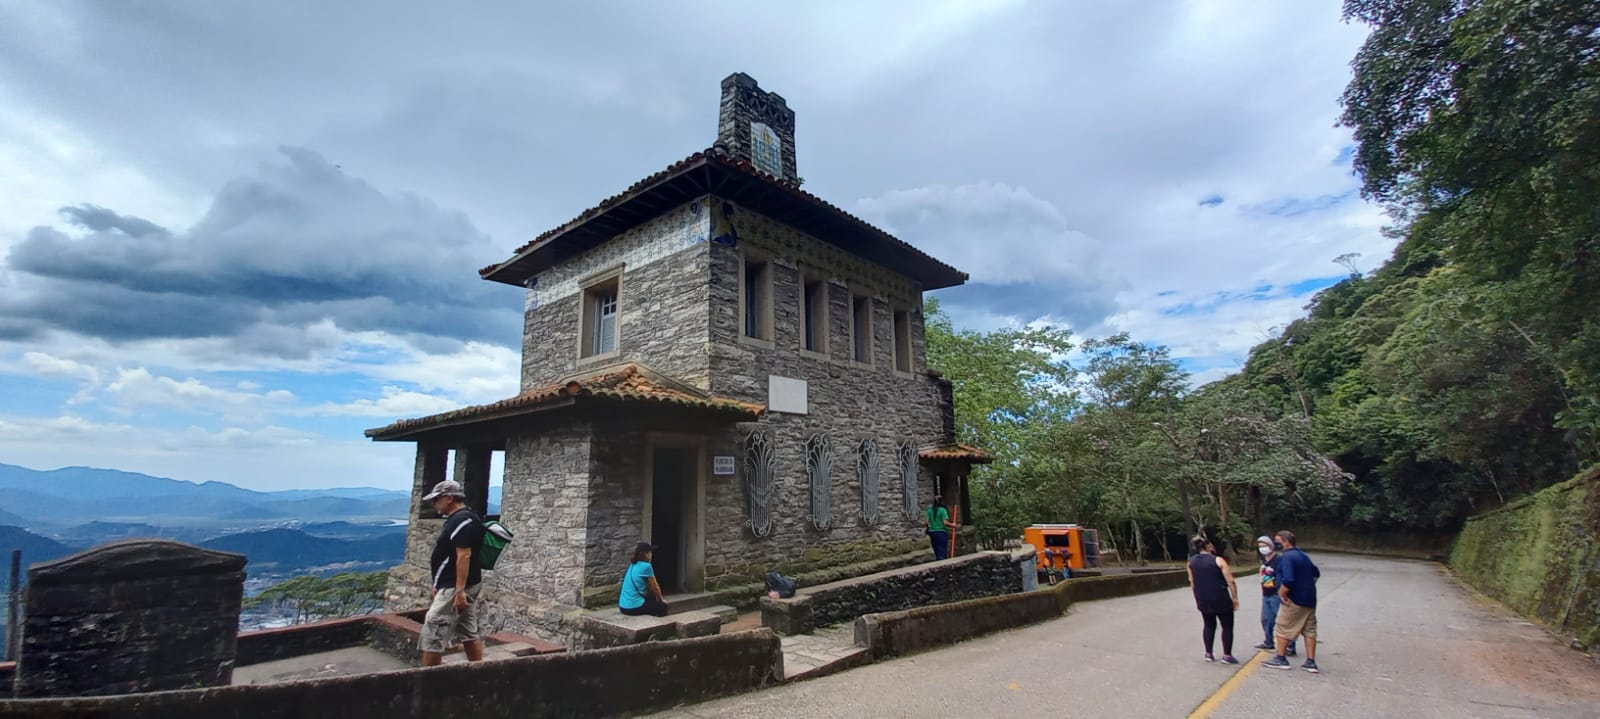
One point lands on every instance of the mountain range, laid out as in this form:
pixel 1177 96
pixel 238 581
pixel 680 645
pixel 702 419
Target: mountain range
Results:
pixel 55 500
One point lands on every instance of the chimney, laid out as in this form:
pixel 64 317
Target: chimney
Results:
pixel 758 126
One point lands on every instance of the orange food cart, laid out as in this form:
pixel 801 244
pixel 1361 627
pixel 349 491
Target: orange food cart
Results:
pixel 1082 544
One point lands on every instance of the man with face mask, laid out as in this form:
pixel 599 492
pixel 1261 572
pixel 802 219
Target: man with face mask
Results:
pixel 1270 601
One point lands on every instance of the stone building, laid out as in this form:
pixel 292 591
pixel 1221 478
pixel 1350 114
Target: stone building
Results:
pixel 714 360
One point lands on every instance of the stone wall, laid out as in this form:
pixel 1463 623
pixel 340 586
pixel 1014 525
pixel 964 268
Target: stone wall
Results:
pixel 134 616
pixel 975 575
pixel 625 681
pixel 848 401
pixel 662 303
pixel 545 500
pixel 271 644
pixel 616 501
pixel 894 633
pixel 1540 556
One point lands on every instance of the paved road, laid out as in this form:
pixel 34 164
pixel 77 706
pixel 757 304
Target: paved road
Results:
pixel 1402 639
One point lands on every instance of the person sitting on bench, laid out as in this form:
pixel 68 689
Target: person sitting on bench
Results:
pixel 641 595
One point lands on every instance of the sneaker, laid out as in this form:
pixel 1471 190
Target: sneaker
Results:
pixel 1228 659
pixel 1291 653
pixel 1210 658
pixel 1265 646
pixel 1310 666
pixel 1277 662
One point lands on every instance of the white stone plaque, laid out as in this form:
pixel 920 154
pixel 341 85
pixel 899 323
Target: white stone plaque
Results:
pixel 786 394
pixel 721 465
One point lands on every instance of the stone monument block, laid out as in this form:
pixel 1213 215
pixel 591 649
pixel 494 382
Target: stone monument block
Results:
pixel 127 617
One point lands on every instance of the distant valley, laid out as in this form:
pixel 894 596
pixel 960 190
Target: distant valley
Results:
pixel 50 514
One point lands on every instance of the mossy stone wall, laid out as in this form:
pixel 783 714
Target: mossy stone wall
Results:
pixel 1540 556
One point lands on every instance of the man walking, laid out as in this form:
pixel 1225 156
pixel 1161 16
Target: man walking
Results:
pixel 453 616
pixel 1270 602
pixel 1297 589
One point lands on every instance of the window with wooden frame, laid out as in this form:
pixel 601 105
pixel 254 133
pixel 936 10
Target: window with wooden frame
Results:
pixel 814 314
pixel 755 298
pixel 598 334
pixel 861 327
pixel 902 341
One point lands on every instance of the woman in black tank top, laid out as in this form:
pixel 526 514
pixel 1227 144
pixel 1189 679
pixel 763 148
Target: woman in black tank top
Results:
pixel 1215 595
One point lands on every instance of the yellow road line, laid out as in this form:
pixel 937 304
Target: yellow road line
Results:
pixel 1213 702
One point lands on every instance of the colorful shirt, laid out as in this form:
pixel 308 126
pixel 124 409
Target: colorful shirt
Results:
pixel 1269 575
pixel 938 519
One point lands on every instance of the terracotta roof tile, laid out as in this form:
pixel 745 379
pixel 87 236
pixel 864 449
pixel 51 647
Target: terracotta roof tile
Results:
pixel 957 452
pixel 627 383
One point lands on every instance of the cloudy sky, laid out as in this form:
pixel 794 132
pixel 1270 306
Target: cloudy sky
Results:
pixel 234 235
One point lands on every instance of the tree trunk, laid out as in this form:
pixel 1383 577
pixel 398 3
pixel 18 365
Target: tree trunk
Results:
pixel 1138 542
pixel 1188 514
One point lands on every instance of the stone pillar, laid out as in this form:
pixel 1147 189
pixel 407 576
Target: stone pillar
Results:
pixel 472 471
pixel 424 522
pixel 128 617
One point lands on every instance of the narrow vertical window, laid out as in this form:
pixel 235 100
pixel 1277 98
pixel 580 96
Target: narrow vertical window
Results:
pixel 600 317
pixel 861 327
pixel 902 341
pixel 755 307
pixel 814 308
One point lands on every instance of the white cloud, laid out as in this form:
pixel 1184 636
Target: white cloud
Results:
pixel 269 457
pixel 137 389
pixel 394 403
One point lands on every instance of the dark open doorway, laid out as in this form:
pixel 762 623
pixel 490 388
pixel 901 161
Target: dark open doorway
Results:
pixel 669 498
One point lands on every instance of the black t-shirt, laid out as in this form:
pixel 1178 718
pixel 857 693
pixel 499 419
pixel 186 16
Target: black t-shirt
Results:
pixel 462 529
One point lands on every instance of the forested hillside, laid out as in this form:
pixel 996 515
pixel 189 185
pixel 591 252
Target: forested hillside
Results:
pixel 1462 373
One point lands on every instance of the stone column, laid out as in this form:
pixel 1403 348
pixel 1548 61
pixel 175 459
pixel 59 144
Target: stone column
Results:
pixel 472 471
pixel 430 470
pixel 129 617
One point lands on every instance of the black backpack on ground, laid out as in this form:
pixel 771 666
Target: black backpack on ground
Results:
pixel 784 586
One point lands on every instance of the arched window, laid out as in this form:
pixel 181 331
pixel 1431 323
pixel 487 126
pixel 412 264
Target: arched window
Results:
pixel 819 470
pixel 912 504
pixel 867 470
pixel 759 467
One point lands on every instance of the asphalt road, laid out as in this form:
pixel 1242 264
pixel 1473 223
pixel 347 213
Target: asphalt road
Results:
pixel 1401 639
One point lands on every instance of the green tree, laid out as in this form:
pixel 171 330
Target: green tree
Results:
pixel 311 598
pixel 1013 390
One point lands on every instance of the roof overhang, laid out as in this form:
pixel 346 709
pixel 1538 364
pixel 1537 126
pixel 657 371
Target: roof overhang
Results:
pixel 637 388
pixel 714 173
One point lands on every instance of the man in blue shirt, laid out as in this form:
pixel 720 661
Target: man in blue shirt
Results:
pixel 1297 588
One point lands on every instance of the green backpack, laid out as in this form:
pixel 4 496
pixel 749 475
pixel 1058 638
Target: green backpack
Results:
pixel 495 539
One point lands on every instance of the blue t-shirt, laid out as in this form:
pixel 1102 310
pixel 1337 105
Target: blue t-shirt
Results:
pixel 1296 572
pixel 635 585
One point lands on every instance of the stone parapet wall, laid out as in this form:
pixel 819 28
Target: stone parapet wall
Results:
pixel 976 575
pixel 627 680
pixel 134 616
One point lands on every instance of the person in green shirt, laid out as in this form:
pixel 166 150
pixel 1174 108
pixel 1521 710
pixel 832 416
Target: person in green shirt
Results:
pixel 938 523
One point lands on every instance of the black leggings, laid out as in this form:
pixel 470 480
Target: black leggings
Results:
pixel 1212 619
pixel 657 608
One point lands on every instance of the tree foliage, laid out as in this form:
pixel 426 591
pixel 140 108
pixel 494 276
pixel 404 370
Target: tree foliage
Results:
pixel 310 598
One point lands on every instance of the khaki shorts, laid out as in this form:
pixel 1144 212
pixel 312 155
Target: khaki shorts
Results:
pixel 444 627
pixel 1296 621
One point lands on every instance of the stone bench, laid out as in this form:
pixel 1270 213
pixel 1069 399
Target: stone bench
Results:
pixel 612 628
pixel 983 574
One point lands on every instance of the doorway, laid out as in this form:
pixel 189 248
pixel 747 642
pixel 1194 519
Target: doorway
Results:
pixel 669 510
